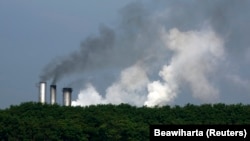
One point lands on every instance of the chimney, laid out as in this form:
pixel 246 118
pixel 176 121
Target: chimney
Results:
pixel 52 94
pixel 67 96
pixel 42 92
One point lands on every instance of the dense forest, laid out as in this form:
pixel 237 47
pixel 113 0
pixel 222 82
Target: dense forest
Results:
pixel 35 121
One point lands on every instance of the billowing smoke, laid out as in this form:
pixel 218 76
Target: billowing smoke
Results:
pixel 93 53
pixel 129 88
pixel 89 96
pixel 161 50
pixel 196 55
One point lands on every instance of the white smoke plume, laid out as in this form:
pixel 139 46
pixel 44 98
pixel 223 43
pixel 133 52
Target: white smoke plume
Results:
pixel 88 96
pixel 129 88
pixel 162 93
pixel 196 55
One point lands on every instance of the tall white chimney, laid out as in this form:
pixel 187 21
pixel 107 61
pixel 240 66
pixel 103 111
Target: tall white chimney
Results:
pixel 42 92
pixel 52 94
pixel 67 96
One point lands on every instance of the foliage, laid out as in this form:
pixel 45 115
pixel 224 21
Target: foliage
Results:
pixel 36 121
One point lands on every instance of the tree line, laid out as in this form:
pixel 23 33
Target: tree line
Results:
pixel 36 121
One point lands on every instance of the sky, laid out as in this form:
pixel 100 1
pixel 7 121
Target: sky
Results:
pixel 137 52
pixel 35 32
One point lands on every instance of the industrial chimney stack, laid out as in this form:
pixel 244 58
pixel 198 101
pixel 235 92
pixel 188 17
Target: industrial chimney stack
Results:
pixel 52 94
pixel 42 92
pixel 67 92
pixel 67 96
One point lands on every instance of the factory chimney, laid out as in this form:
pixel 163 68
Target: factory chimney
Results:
pixel 52 94
pixel 67 96
pixel 42 92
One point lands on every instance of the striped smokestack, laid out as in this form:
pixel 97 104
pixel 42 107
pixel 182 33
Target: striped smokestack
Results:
pixel 42 92
pixel 52 94
pixel 67 96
